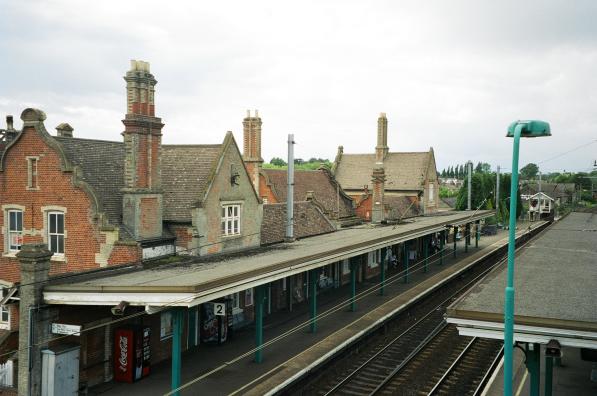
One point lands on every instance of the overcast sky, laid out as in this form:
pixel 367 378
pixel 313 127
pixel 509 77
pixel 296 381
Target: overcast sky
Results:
pixel 449 74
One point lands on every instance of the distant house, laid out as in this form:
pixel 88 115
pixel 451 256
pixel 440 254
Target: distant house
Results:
pixel 383 181
pixel 562 193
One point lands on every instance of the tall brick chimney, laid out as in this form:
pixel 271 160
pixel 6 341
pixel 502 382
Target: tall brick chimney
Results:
pixel 378 178
pixel 252 146
pixel 381 150
pixel 142 200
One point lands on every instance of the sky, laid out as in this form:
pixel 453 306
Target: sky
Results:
pixel 451 75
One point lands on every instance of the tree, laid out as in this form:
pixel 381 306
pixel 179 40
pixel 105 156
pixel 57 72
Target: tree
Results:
pixel 529 171
pixel 277 161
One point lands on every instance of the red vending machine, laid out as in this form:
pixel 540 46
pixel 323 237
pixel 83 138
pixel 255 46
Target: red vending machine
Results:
pixel 131 353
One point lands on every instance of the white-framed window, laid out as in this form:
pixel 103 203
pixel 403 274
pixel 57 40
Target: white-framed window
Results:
pixel 4 312
pixel 15 230
pixel 345 266
pixel 56 232
pixel 231 219
pixel 372 259
pixel 431 192
pixel 165 325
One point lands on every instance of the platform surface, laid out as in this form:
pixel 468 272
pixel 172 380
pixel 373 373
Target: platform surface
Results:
pixel 555 283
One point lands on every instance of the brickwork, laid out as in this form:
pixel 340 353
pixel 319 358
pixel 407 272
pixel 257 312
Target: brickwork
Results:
pixel 56 191
pixel 265 191
pixel 184 236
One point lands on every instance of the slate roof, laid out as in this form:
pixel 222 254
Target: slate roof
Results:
pixel 102 166
pixel 554 190
pixel 185 172
pixel 308 221
pixel 318 181
pixel 404 171
pixel 400 207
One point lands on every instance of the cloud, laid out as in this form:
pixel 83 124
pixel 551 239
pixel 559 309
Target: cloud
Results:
pixel 451 75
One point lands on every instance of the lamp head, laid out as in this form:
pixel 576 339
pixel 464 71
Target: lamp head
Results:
pixel 530 128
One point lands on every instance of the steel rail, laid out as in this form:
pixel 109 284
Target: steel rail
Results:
pixel 453 365
pixel 356 371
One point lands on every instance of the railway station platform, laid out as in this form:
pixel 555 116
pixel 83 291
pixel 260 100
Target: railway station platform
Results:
pixel 555 283
pixel 218 370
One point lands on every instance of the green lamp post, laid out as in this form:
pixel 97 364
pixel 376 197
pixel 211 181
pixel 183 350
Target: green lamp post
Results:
pixel 516 130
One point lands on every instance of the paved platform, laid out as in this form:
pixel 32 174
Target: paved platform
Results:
pixel 555 283
pixel 232 377
pixel 207 279
pixel 571 378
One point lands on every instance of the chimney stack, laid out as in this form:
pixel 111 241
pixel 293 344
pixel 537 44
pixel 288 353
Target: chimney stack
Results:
pixel 381 150
pixel 142 199
pixel 64 130
pixel 252 147
pixel 378 178
pixel 9 123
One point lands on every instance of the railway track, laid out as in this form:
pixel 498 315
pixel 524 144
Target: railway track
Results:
pixel 417 354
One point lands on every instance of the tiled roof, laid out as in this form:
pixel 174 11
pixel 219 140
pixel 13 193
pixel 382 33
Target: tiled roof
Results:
pixel 401 207
pixel 102 166
pixel 185 172
pixel 317 181
pixel 308 221
pixel 554 190
pixel 404 171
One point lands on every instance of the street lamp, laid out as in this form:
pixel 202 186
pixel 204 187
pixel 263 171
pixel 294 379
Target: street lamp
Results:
pixel 516 130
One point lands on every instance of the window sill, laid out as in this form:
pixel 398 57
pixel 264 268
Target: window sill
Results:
pixel 10 255
pixel 232 236
pixel 60 258
pixel 4 326
pixel 236 310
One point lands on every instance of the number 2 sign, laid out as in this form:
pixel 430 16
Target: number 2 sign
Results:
pixel 220 309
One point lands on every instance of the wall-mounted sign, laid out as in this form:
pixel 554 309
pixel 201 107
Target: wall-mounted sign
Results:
pixel 66 329
pixel 220 309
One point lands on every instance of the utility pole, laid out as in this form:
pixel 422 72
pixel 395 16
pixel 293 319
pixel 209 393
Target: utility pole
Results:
pixel 539 181
pixel 290 191
pixel 469 165
pixel 497 191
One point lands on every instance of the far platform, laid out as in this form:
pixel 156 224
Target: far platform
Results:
pixel 555 283
pixel 206 279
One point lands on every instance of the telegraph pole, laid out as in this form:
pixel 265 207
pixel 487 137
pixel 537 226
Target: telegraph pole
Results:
pixel 469 165
pixel 497 191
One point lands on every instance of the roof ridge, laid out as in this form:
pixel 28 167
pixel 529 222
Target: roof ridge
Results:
pixel 66 138
pixel 212 145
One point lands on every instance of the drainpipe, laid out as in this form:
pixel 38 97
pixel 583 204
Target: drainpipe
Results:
pixel 290 191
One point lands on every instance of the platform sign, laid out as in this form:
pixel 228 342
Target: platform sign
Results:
pixel 220 309
pixel 66 329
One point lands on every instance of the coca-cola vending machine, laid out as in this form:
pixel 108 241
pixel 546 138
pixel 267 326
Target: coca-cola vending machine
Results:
pixel 131 353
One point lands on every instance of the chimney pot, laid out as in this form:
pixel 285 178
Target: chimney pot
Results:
pixel 9 123
pixel 64 130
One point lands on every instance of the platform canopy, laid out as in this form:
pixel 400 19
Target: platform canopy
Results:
pixel 555 283
pixel 206 279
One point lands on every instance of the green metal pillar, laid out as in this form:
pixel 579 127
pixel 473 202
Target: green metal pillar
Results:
pixel 467 236
pixel 177 325
pixel 353 283
pixel 442 241
pixel 455 232
pixel 314 274
pixel 406 262
pixel 259 299
pixel 426 251
pixel 533 362
pixel 382 271
pixel 477 233
pixel 548 376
